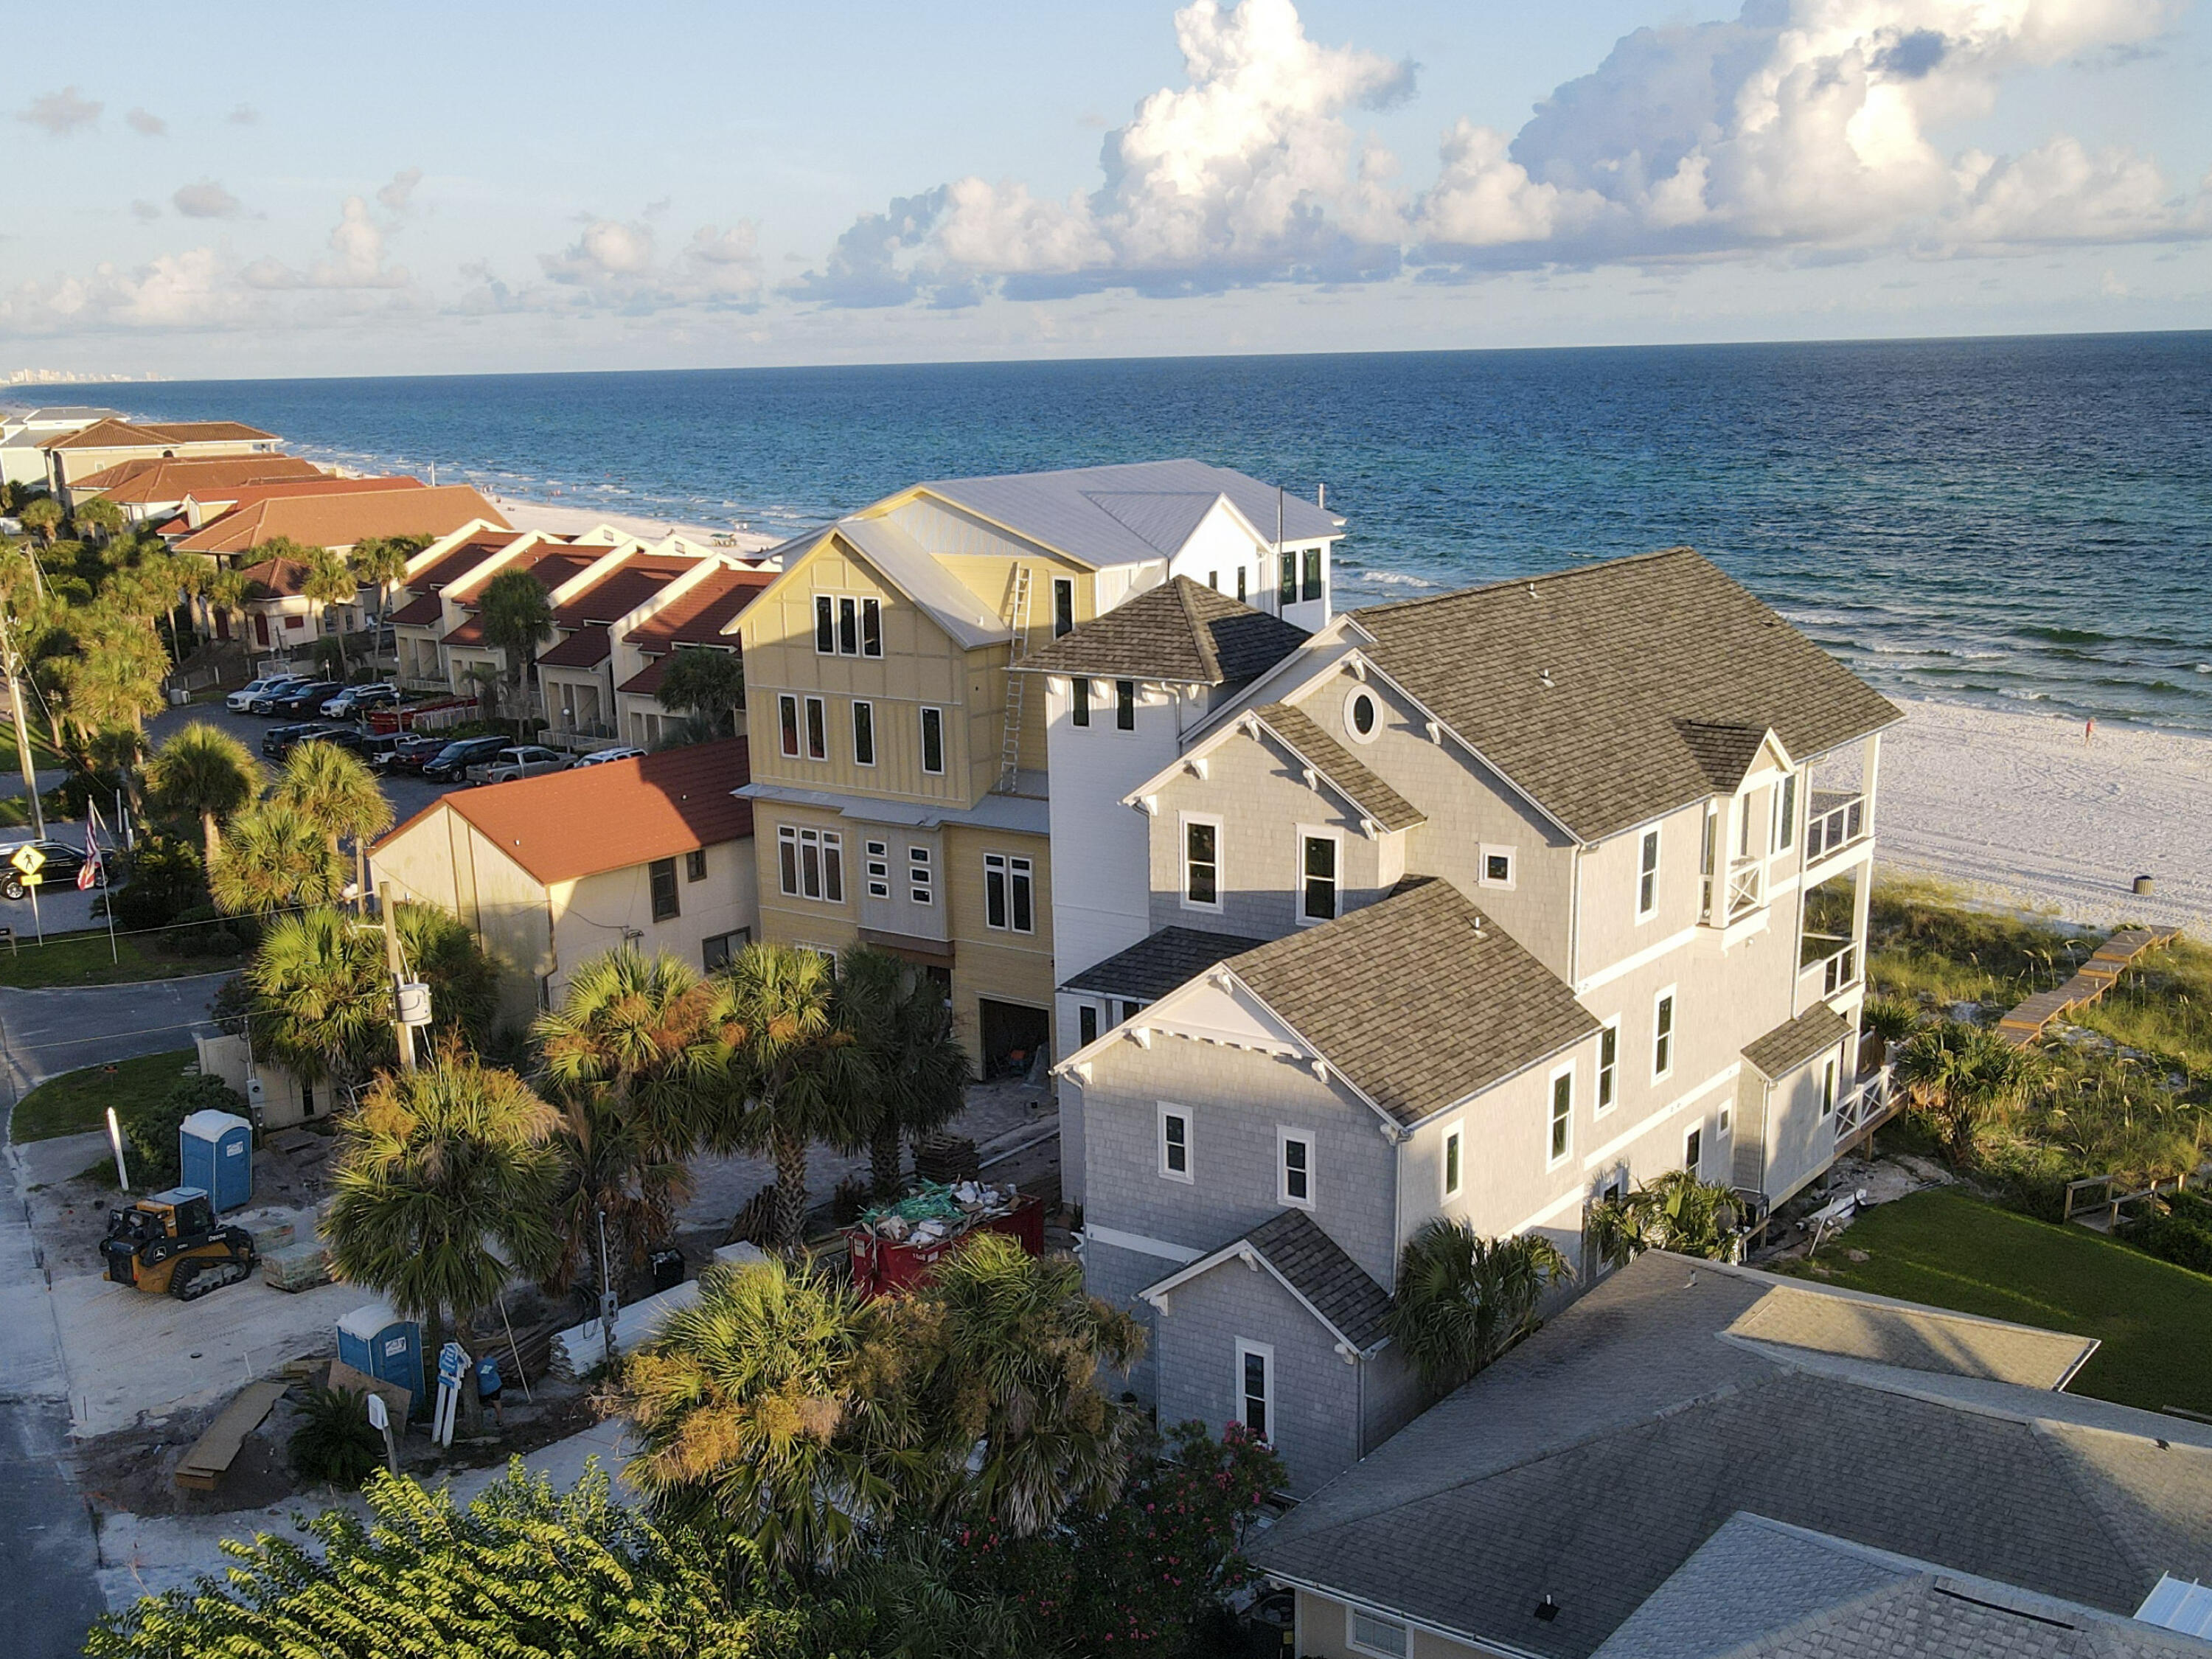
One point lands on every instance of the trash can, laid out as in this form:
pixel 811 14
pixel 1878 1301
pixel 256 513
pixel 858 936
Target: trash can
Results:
pixel 668 1264
pixel 215 1151
pixel 378 1341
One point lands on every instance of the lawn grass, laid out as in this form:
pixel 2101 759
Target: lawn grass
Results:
pixel 77 1101
pixel 1944 1248
pixel 82 959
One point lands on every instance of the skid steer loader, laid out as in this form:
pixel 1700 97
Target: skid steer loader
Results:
pixel 172 1243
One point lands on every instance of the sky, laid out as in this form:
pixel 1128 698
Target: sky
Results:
pixel 404 189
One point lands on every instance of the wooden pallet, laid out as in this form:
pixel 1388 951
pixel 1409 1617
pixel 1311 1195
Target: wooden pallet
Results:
pixel 203 1467
pixel 2025 1023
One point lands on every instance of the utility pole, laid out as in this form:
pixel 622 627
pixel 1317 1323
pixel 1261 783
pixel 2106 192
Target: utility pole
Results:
pixel 401 1028
pixel 22 727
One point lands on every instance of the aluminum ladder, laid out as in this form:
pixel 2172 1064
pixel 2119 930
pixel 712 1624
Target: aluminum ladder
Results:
pixel 1016 620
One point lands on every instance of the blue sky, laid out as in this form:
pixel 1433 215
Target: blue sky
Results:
pixel 444 189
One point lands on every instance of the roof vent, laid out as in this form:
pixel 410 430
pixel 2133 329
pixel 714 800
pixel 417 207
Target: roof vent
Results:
pixel 1544 678
pixel 1532 590
pixel 1548 1609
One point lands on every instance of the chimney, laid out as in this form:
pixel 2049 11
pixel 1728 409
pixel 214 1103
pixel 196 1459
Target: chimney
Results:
pixel 1320 495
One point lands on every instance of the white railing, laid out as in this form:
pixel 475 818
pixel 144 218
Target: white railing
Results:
pixel 1747 886
pixel 1869 1102
pixel 1836 821
pixel 1840 967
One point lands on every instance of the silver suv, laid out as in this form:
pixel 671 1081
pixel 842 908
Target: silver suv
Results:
pixel 525 761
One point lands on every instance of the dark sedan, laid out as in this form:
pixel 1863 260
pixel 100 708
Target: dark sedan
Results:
pixel 305 701
pixel 404 752
pixel 453 761
pixel 279 741
pixel 60 869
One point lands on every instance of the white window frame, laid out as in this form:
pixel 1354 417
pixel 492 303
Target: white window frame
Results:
pixel 1696 1132
pixel 790 740
pixel 871 607
pixel 920 875
pixel 1724 1119
pixel 825 607
pixel 1664 996
pixel 1285 1136
pixel 1063 584
pixel 1488 850
pixel 1183 824
pixel 1013 870
pixel 1351 724
pixel 1307 832
pixel 1830 1085
pixel 1091 1009
pixel 1269 1405
pixel 878 866
pixel 1352 1616
pixel 1785 815
pixel 817 720
pixel 1078 702
pixel 1553 1159
pixel 938 771
pixel 860 703
pixel 1605 1092
pixel 1649 840
pixel 1450 1179
pixel 1186 1175
pixel 1132 705
pixel 828 847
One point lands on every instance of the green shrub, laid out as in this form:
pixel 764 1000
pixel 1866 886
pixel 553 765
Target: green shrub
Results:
pixel 335 1442
pixel 2168 1236
pixel 2190 1207
pixel 204 930
pixel 151 1130
pixel 166 880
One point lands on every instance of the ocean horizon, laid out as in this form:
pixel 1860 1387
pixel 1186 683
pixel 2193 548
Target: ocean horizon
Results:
pixel 2020 522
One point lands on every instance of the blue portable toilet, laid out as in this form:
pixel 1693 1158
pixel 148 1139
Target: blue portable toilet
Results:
pixel 378 1341
pixel 215 1151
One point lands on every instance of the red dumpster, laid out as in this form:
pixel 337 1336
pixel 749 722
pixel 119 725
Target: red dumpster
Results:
pixel 881 1265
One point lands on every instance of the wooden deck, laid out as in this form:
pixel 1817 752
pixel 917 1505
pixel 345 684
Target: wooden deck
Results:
pixel 2025 1023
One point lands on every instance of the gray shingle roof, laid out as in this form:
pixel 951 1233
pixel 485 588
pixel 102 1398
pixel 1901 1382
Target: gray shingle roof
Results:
pixel 1315 1266
pixel 1152 967
pixel 1723 752
pixel 1595 1459
pixel 1098 515
pixel 1634 649
pixel 1182 631
pixel 1375 798
pixel 1886 1332
pixel 1419 1000
pixel 1793 1041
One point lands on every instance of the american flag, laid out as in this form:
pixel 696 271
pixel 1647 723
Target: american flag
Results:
pixel 89 872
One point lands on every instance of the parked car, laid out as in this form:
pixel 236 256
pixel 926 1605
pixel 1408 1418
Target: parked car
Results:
pixel 601 756
pixel 451 763
pixel 357 700
pixel 526 760
pixel 267 686
pixel 303 701
pixel 266 702
pixel 279 741
pixel 61 867
pixel 405 752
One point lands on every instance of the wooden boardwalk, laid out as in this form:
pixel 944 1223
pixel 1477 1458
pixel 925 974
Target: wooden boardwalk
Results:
pixel 2025 1023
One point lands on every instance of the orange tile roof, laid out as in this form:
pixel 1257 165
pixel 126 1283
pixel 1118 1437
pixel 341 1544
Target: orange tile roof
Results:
pixel 586 647
pixel 285 578
pixel 127 434
pixel 566 825
pixel 165 478
pixel 245 495
pixel 700 615
pixel 344 519
pixel 551 562
pixel 622 589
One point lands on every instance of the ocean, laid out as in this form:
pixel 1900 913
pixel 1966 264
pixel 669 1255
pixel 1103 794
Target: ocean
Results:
pixel 2017 522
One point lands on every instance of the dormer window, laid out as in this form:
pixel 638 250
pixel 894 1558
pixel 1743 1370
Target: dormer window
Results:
pixel 1362 715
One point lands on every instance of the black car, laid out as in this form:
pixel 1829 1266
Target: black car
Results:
pixel 273 700
pixel 404 751
pixel 305 702
pixel 276 742
pixel 355 700
pixel 60 869
pixel 452 762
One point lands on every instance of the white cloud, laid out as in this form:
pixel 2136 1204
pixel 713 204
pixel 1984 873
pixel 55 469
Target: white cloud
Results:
pixel 146 123
pixel 243 115
pixel 206 200
pixel 60 113
pixel 614 264
pixel 357 258
pixel 146 210
pixel 395 195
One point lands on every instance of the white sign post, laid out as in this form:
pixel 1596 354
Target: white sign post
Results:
pixel 115 1142
pixel 452 1366
pixel 380 1420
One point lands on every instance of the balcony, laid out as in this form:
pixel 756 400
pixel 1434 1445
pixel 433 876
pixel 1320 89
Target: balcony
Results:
pixel 1834 958
pixel 1838 820
pixel 1870 1103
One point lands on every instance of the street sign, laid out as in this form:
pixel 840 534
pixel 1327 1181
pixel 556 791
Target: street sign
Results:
pixel 33 879
pixel 28 859
pixel 379 1418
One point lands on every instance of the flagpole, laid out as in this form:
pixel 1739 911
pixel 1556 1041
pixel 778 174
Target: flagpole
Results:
pixel 106 891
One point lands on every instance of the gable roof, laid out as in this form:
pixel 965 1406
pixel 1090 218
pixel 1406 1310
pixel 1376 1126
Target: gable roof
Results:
pixel 587 647
pixel 1633 649
pixel 282 578
pixel 621 590
pixel 1152 967
pixel 1132 513
pixel 342 519
pixel 168 479
pixel 697 615
pixel 566 825
pixel 1592 1462
pixel 908 566
pixel 1333 761
pixel 1182 632
pixel 1312 1267
pixel 1791 1043
pixel 128 434
pixel 1419 999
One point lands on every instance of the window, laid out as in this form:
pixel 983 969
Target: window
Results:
pixel 1608 1062
pixel 1078 701
pixel 1563 1113
pixel 818 729
pixel 1294 1169
pixel 1647 875
pixel 662 874
pixel 878 870
pixel 933 742
pixel 715 953
pixel 1724 1119
pixel 1494 868
pixel 871 628
pixel 1240 584
pixel 1785 813
pixel 1317 877
pixel 1366 1633
pixel 1008 893
pixel 1694 1149
pixel 1201 863
pixel 1828 1088
pixel 812 863
pixel 1290 577
pixel 1455 1150
pixel 1086 1026
pixel 918 868
pixel 1313 573
pixel 695 865
pixel 1662 1034
pixel 1125 705
pixel 1255 1385
pixel 1175 1143
pixel 786 713
pixel 825 626
pixel 1362 715
pixel 864 733
pixel 1063 605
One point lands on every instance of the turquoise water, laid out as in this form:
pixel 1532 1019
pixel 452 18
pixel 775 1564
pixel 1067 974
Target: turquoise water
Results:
pixel 2021 522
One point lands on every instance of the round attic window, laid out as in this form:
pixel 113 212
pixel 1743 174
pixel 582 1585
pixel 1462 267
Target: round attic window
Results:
pixel 1362 715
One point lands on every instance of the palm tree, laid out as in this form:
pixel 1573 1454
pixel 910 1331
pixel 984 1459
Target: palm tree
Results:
pixel 922 1072
pixel 798 1071
pixel 1672 1212
pixel 1462 1299
pixel 752 1413
pixel 331 788
pixel 98 518
pixel 42 518
pixel 225 591
pixel 1961 1078
pixel 329 581
pixel 518 618
pixel 1024 1431
pixel 625 1058
pixel 444 1183
pixel 1884 1022
pixel 322 999
pixel 381 562
pixel 275 857
pixel 710 683
pixel 204 770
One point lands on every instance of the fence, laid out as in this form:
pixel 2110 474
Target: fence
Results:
pixel 2103 1215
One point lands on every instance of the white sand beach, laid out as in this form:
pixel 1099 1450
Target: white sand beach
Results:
pixel 2019 811
pixel 572 520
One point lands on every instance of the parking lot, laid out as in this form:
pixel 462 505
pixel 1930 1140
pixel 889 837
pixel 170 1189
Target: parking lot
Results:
pixel 408 795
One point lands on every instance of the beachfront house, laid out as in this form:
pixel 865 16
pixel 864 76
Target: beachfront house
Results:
pixel 25 433
pixel 552 871
pixel 699 614
pixel 902 774
pixel 73 457
pixel 159 491
pixel 1478 906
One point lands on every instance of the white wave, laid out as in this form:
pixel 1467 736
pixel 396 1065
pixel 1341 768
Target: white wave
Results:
pixel 2023 696
pixel 1389 579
